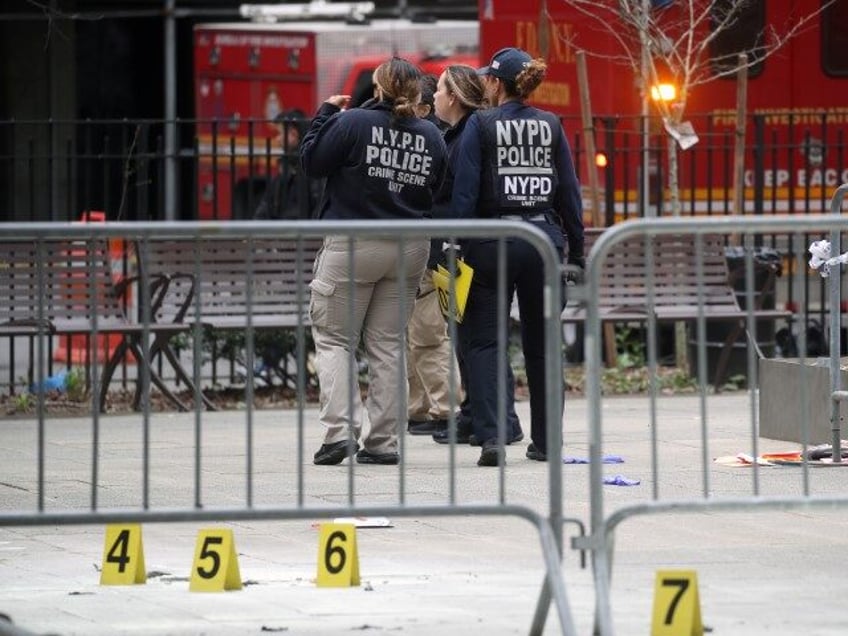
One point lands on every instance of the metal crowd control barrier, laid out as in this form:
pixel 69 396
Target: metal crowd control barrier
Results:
pixel 835 289
pixel 713 492
pixel 548 523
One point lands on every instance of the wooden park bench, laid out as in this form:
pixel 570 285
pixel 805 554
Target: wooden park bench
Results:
pixel 229 285
pixel 684 288
pixel 63 287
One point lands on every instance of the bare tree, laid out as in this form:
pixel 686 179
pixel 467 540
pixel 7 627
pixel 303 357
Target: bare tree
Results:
pixel 674 40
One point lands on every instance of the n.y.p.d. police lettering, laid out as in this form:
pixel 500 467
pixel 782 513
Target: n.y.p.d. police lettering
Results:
pixel 398 157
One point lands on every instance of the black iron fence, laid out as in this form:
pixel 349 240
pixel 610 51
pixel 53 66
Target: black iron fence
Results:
pixel 55 170
pixel 63 170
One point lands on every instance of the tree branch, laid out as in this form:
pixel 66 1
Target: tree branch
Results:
pixel 680 38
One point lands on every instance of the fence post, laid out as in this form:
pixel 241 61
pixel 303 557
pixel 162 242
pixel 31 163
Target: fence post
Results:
pixel 170 111
pixel 835 328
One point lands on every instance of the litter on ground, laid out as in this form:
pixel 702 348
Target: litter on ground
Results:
pixel 606 459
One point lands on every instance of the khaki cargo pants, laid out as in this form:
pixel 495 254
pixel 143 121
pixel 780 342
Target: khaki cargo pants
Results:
pixel 430 358
pixel 379 318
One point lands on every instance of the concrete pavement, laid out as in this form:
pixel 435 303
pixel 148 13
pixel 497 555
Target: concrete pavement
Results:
pixel 763 572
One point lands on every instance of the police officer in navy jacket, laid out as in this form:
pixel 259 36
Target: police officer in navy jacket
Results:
pixel 381 162
pixel 514 163
pixel 378 165
pixel 459 94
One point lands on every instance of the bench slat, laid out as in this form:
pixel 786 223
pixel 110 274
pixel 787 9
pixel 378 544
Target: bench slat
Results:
pixel 70 280
pixel 681 284
pixel 220 273
pixel 60 286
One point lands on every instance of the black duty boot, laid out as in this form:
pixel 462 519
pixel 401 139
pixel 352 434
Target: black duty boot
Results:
pixel 426 427
pixel 491 453
pixel 367 457
pixel 535 454
pixel 332 454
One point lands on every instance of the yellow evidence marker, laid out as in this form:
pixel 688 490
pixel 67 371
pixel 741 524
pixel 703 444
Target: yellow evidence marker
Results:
pixel 677 604
pixel 123 556
pixel 215 567
pixel 338 556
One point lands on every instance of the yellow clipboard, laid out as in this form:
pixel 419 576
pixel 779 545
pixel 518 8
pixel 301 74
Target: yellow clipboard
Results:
pixel 460 286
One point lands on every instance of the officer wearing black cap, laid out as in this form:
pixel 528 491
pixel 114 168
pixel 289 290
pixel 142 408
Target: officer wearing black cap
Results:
pixel 514 163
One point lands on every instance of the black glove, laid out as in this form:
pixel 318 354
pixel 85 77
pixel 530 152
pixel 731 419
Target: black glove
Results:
pixel 574 269
pixel 579 261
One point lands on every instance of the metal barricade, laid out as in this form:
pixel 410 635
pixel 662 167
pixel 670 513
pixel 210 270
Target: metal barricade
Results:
pixel 712 489
pixel 83 498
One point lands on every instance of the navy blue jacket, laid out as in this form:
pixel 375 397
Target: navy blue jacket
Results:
pixel 378 166
pixel 442 202
pixel 466 196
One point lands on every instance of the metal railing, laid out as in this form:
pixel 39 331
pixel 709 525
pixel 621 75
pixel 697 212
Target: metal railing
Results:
pixel 796 395
pixel 56 170
pixel 81 504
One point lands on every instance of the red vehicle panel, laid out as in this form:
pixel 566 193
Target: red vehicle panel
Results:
pixel 246 73
pixel 798 103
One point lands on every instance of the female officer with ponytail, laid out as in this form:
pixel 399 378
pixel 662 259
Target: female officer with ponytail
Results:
pixel 514 163
pixel 381 162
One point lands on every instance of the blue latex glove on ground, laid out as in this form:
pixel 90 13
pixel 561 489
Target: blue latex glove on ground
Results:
pixel 606 459
pixel 620 480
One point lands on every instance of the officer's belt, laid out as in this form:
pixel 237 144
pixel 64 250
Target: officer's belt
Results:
pixel 542 216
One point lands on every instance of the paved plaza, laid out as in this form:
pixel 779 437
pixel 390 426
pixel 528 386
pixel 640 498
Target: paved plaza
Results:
pixel 759 572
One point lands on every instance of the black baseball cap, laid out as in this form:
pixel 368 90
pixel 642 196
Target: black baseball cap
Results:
pixel 506 64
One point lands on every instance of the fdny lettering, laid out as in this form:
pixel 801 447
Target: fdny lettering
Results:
pixel 399 157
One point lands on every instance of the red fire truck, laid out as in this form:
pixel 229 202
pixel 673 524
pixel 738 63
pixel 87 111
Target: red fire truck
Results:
pixel 797 100
pixel 247 73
